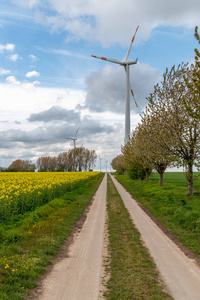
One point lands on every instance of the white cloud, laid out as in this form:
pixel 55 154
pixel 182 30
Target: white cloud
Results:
pixel 35 99
pixel 14 57
pixel 27 3
pixel 32 74
pixel 7 47
pixel 114 22
pixel 33 58
pixel 4 72
pixel 23 139
pixel 12 80
pixel 36 82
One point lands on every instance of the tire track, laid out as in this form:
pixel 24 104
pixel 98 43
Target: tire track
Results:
pixel 78 276
pixel 180 273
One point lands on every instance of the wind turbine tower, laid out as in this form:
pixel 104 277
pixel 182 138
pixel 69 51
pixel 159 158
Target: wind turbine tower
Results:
pixel 126 64
pixel 100 159
pixel 106 164
pixel 74 140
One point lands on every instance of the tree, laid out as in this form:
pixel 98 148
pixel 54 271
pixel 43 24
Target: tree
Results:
pixel 143 149
pixel 136 157
pixel 3 169
pixel 178 132
pixel 22 166
pixel 192 80
pixel 42 164
pixel 118 164
pixel 63 162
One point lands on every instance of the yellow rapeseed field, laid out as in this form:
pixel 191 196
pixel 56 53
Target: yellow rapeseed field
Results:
pixel 23 191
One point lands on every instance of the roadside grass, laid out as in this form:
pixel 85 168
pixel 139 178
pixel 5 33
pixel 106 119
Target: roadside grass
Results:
pixel 27 249
pixel 170 204
pixel 133 274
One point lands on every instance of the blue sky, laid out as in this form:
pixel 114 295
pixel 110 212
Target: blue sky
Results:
pixel 46 69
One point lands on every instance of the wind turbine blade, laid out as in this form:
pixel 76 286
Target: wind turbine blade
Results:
pixel 133 97
pixel 132 93
pixel 76 132
pixel 129 49
pixel 115 61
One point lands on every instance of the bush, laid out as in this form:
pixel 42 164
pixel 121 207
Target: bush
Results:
pixel 136 171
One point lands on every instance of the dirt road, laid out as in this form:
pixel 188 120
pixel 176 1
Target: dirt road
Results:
pixel 181 274
pixel 78 276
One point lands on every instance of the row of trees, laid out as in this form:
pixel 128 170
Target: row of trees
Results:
pixel 169 132
pixel 78 159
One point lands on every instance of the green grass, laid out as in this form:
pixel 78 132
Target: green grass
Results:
pixel 27 249
pixel 170 204
pixel 133 274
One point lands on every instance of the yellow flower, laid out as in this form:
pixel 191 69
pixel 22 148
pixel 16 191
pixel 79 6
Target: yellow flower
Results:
pixel 25 187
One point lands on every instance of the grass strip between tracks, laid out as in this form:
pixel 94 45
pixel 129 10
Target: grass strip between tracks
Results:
pixel 26 250
pixel 133 274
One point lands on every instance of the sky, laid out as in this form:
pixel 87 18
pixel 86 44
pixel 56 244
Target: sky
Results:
pixel 50 85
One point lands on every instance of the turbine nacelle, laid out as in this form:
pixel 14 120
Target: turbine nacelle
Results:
pixel 71 139
pixel 130 62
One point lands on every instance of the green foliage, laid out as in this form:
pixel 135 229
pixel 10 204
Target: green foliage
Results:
pixel 118 164
pixel 193 83
pixel 136 171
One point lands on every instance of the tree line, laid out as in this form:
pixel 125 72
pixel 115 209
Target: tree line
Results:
pixel 78 159
pixel 169 132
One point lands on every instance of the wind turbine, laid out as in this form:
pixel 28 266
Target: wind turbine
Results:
pixel 106 164
pixel 100 162
pixel 74 140
pixel 126 63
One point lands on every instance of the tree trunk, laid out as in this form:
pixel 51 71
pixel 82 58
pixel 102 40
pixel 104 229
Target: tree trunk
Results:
pixel 147 175
pixel 161 179
pixel 190 178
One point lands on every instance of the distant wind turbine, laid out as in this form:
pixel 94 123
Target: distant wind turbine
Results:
pixel 126 63
pixel 100 162
pixel 106 164
pixel 74 140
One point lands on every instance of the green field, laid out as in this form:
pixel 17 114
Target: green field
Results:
pixel 170 204
pixel 178 179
